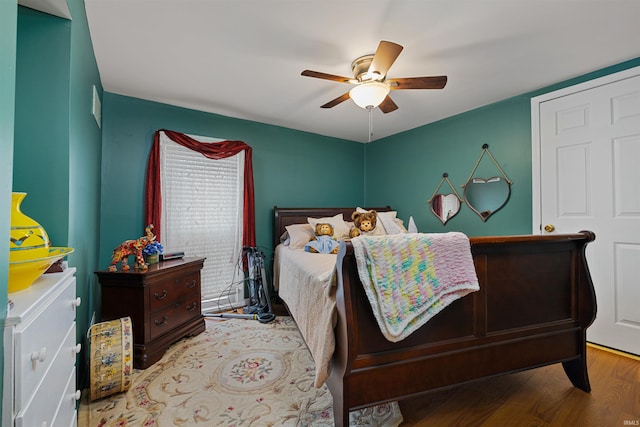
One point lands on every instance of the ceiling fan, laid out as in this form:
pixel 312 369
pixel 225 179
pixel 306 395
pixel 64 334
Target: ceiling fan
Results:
pixel 372 86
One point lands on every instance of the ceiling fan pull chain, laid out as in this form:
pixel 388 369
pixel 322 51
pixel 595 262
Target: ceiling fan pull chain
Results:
pixel 370 108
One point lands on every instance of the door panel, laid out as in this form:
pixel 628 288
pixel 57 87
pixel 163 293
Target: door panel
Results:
pixel 589 179
pixel 572 184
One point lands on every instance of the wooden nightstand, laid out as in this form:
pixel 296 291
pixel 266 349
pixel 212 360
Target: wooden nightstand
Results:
pixel 163 304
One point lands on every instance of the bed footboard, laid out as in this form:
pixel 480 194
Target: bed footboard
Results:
pixel 535 303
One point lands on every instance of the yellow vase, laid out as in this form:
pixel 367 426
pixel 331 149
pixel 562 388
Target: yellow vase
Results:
pixel 28 239
pixel 30 252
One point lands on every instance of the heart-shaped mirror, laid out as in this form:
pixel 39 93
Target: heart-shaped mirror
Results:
pixel 445 206
pixel 486 196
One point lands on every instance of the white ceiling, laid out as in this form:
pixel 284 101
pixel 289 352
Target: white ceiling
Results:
pixel 243 58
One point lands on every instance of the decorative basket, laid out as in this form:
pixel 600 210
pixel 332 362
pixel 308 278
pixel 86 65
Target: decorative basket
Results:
pixel 111 353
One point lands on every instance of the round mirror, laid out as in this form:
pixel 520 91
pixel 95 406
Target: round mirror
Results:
pixel 486 196
pixel 445 206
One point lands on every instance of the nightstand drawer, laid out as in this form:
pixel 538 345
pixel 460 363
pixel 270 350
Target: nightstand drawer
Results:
pixel 168 292
pixel 39 342
pixel 178 313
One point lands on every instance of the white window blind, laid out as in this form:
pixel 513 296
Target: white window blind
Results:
pixel 202 215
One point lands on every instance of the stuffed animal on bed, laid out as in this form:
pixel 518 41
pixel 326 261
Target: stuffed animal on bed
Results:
pixel 364 222
pixel 323 242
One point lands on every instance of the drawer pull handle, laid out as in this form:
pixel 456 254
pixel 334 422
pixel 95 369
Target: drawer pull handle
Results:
pixel 77 348
pixel 160 297
pixel 77 395
pixel 192 306
pixel 192 284
pixel 162 322
pixel 76 302
pixel 39 356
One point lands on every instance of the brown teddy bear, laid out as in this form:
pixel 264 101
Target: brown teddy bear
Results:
pixel 323 242
pixel 364 223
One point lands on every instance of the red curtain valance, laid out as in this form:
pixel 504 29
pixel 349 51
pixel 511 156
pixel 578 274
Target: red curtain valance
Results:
pixel 214 150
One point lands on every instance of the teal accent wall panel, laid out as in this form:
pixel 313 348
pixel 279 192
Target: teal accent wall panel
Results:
pixel 41 148
pixel 85 159
pixel 291 168
pixel 404 170
pixel 58 149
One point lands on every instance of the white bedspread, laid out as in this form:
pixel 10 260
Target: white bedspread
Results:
pixel 306 283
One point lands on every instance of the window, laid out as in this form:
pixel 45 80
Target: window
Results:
pixel 203 213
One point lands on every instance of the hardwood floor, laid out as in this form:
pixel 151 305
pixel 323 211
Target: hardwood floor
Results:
pixel 539 397
pixel 535 398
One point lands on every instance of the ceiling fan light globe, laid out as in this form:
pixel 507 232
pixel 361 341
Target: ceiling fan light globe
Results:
pixel 369 94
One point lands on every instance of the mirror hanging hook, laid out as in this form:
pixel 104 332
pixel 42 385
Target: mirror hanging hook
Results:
pixel 485 150
pixel 445 178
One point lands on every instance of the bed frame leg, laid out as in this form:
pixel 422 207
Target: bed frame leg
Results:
pixel 576 370
pixel 340 414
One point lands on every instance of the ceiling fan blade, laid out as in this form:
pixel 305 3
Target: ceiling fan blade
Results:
pixel 388 105
pixel 384 57
pixel 336 101
pixel 434 82
pixel 325 76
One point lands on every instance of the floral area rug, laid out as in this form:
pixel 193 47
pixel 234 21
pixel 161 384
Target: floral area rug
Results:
pixel 236 373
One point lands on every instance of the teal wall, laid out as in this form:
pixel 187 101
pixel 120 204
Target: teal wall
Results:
pixel 291 168
pixel 8 37
pixel 85 159
pixel 87 185
pixel 58 145
pixel 41 151
pixel 404 170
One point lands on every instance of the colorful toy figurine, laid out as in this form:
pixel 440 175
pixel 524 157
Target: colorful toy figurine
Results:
pixel 132 247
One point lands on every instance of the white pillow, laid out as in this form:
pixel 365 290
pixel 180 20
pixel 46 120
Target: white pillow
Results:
pixel 299 235
pixel 390 223
pixel 340 228
pixel 412 226
pixel 400 223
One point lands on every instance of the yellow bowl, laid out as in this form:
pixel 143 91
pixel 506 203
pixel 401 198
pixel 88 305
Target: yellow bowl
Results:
pixel 22 274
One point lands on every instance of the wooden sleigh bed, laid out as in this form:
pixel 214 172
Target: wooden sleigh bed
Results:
pixel 535 302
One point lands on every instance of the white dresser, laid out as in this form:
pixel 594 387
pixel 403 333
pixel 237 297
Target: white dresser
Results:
pixel 40 354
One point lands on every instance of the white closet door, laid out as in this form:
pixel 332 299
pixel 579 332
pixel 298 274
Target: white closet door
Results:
pixel 588 143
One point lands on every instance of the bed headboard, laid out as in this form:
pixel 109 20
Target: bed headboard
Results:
pixel 287 216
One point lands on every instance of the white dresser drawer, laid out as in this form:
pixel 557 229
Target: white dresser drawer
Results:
pixel 44 404
pixel 38 341
pixel 66 415
pixel 41 316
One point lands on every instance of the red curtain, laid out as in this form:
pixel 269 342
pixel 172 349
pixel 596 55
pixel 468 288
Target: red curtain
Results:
pixel 215 150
